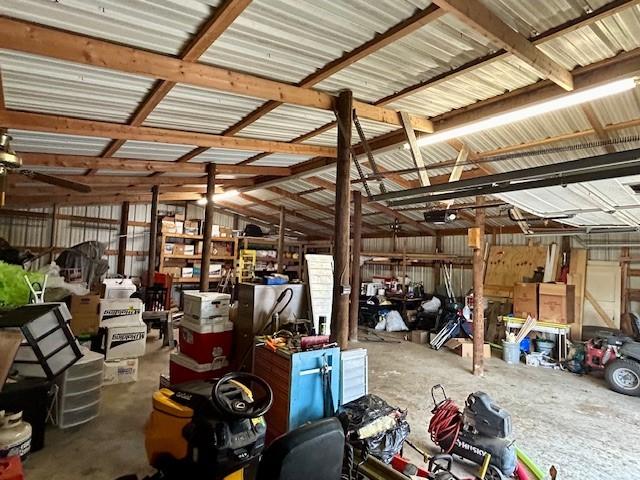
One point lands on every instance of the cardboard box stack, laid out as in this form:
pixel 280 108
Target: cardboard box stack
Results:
pixel 123 338
pixel 206 337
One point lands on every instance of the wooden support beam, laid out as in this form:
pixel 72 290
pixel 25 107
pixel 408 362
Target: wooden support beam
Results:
pixel 72 126
pixel 296 197
pixel 478 293
pixel 594 121
pixel 92 199
pixel 416 154
pixel 39 40
pixel 273 206
pixel 53 232
pixel 356 247
pixel 421 227
pixel 272 219
pixel 484 21
pixel 281 228
pixel 153 235
pixel 207 228
pixel 135 165
pixel 341 278
pixel 122 238
pixel 437 266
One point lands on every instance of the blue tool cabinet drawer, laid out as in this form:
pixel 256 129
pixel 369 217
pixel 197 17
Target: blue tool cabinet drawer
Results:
pixel 297 383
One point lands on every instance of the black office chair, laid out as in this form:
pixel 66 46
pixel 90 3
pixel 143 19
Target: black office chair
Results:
pixel 312 452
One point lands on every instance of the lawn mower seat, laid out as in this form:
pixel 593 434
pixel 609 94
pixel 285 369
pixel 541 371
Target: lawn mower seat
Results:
pixel 312 452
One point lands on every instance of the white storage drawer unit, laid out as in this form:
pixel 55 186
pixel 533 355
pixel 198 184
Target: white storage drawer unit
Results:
pixel 79 390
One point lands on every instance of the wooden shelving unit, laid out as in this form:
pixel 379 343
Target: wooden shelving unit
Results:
pixel 291 265
pixel 167 260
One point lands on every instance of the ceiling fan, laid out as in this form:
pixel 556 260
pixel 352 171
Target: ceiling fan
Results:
pixel 10 161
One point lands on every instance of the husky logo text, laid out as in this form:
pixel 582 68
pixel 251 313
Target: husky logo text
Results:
pixel 120 312
pixel 122 338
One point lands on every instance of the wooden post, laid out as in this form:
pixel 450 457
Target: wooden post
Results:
pixel 54 232
pixel 478 293
pixel 624 290
pixel 340 312
pixel 206 228
pixel 153 234
pixel 355 266
pixel 281 242
pixel 438 263
pixel 122 239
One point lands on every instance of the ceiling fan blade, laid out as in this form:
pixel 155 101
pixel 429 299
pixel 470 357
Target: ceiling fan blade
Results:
pixel 58 182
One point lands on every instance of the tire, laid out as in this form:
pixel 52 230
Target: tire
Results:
pixel 623 376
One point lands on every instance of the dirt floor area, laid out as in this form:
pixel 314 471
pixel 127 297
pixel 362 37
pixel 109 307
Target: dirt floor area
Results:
pixel 561 419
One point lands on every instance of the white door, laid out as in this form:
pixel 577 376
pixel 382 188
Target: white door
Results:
pixel 603 286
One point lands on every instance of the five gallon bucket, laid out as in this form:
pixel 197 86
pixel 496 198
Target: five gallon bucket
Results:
pixel 511 352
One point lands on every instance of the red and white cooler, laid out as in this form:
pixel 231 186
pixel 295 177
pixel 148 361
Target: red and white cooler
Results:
pixel 184 369
pixel 206 343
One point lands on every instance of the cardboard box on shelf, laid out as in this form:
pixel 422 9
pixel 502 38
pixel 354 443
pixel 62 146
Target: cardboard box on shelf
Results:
pixel 187 272
pixel 175 272
pixel 420 336
pixel 226 232
pixel 168 225
pixel 120 371
pixel 85 314
pixel 525 300
pixel 556 303
pixel 178 249
pixel 464 347
pixel 189 250
pixel 198 246
pixel 169 248
pixel 192 227
pixel 179 227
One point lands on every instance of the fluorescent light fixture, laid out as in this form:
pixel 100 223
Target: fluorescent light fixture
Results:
pixel 569 100
pixel 202 201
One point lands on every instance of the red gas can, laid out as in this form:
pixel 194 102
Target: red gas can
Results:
pixel 11 468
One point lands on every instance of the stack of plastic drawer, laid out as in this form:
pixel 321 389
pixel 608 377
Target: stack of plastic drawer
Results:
pixel 79 390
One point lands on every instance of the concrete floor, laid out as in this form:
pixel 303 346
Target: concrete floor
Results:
pixel 572 422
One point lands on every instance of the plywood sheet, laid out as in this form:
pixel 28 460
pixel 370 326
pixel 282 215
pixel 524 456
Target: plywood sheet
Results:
pixel 511 264
pixel 603 284
pixel 577 276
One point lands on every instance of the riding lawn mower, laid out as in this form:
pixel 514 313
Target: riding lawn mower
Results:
pixel 215 430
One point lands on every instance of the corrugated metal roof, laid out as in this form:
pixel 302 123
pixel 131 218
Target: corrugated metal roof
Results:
pixel 39 84
pixel 163 26
pixel 24 141
pixel 280 160
pixel 600 40
pixel 223 156
pixel 289 39
pixel 436 48
pixel 288 122
pixel 201 110
pixel 152 150
pixel 529 17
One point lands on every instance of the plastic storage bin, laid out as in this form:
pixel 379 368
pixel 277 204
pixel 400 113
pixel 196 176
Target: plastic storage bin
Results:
pixel 354 375
pixel 79 390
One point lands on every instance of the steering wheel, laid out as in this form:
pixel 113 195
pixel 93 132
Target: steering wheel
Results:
pixel 231 396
